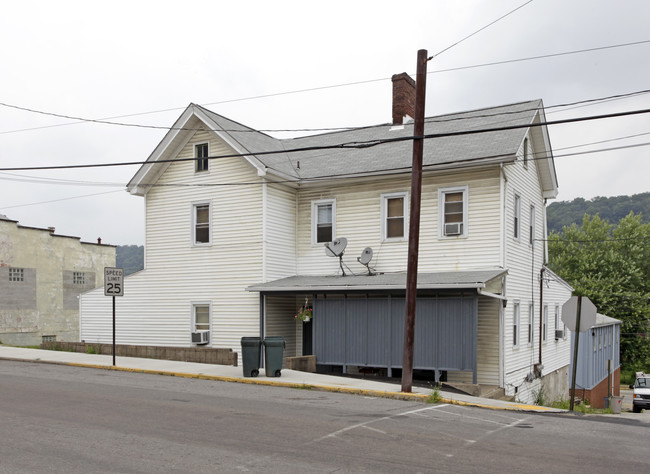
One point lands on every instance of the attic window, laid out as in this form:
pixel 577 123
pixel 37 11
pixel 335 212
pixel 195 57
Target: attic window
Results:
pixel 526 153
pixel 201 153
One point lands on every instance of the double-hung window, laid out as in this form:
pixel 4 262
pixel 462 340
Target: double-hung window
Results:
pixel 201 154
pixel 393 211
pixel 452 205
pixel 545 323
pixel 323 221
pixel 517 217
pixel 515 325
pixel 201 223
pixel 531 226
pixel 201 317
pixel 531 323
pixel 557 320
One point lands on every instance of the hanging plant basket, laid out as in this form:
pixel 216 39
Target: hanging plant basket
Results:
pixel 305 313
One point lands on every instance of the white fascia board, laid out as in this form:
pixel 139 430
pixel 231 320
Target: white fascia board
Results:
pixel 438 286
pixel 151 168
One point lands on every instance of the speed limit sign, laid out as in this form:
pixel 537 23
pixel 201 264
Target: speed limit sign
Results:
pixel 113 281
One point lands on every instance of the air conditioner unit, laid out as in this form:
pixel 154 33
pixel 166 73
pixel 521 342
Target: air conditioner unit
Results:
pixel 454 229
pixel 201 337
pixel 559 334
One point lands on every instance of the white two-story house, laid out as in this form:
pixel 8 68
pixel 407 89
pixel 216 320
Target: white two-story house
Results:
pixel 237 222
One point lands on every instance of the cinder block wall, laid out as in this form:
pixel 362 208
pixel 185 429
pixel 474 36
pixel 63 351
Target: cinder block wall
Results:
pixel 202 355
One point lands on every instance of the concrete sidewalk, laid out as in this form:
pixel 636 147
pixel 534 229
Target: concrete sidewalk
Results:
pixel 289 378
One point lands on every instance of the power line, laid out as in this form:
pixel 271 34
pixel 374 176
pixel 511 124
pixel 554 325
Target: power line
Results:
pixel 61 199
pixel 349 145
pixel 481 29
pixel 107 120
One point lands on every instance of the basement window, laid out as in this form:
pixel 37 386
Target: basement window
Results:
pixel 16 274
pixel 48 338
pixel 78 278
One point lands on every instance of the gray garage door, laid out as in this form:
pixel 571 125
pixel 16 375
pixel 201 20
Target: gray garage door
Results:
pixel 369 331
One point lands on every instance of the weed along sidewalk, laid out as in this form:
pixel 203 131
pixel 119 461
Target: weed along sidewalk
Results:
pixel 289 378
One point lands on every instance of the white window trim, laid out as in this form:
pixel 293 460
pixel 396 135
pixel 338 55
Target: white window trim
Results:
pixel 314 217
pixel 531 324
pixel 516 323
pixel 384 216
pixel 516 216
pixel 193 305
pixel 532 228
pixel 545 324
pixel 193 227
pixel 441 211
pixel 557 320
pixel 196 162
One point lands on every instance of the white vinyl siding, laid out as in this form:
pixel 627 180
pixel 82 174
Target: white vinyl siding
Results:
pixel 359 217
pixel 155 306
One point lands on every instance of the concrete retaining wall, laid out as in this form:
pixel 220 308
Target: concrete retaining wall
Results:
pixel 202 355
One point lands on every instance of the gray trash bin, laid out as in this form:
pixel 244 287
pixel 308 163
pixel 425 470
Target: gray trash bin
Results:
pixel 251 350
pixel 273 355
pixel 615 404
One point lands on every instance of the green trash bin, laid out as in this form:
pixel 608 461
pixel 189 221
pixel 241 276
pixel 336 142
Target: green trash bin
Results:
pixel 273 352
pixel 251 350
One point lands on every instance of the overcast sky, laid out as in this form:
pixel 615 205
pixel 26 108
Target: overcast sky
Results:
pixel 146 61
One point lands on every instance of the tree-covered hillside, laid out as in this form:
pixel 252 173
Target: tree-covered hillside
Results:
pixel 610 209
pixel 130 258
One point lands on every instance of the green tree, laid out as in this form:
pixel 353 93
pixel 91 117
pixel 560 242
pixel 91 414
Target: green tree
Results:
pixel 611 266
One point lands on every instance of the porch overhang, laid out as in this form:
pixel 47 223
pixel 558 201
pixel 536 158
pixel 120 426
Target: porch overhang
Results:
pixel 489 280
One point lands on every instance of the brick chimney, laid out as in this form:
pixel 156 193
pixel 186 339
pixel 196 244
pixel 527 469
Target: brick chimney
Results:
pixel 403 98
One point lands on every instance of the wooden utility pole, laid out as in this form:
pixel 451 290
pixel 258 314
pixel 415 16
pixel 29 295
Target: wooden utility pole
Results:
pixel 414 222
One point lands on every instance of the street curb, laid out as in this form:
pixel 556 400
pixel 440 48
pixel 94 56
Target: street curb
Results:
pixel 416 397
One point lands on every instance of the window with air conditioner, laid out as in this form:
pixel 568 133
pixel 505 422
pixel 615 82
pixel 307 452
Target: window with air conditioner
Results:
pixel 452 205
pixel 201 322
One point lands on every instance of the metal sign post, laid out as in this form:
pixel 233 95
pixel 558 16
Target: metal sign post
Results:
pixel 578 315
pixel 113 286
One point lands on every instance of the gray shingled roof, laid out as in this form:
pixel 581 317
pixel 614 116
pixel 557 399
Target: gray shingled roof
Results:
pixel 386 281
pixel 500 146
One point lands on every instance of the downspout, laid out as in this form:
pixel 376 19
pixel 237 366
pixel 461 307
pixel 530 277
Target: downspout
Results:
pixel 541 290
pixel 502 333
pixel 264 236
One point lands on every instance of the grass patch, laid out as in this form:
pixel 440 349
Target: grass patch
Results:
pixel 564 404
pixel 434 396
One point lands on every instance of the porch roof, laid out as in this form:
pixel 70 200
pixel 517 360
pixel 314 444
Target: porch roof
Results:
pixel 471 279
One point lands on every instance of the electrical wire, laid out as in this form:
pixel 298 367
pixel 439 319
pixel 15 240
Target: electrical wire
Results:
pixel 351 145
pixel 108 121
pixel 480 29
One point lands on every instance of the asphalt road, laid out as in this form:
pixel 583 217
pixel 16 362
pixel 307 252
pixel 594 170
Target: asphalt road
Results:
pixel 66 419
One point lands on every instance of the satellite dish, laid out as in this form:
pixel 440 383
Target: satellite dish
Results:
pixel 336 247
pixel 366 256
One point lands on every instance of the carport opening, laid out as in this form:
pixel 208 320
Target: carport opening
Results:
pixel 425 378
